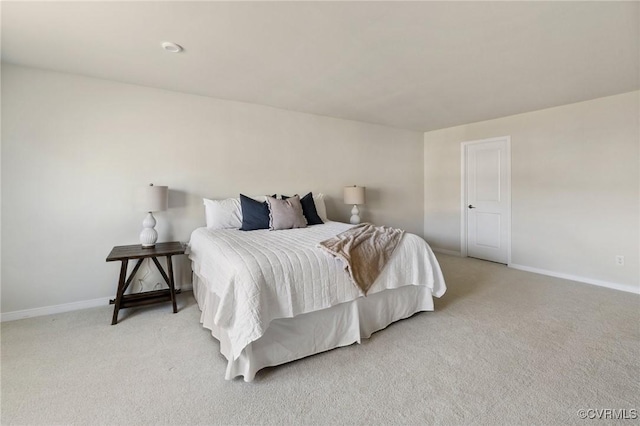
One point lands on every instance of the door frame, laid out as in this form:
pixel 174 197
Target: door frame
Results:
pixel 463 192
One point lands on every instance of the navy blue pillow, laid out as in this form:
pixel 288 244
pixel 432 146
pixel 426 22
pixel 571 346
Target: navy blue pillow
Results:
pixel 309 209
pixel 255 214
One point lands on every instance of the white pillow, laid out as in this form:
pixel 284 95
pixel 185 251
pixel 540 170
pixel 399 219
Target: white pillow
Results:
pixel 225 214
pixel 318 200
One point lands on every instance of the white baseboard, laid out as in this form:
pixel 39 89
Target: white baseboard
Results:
pixel 445 251
pixel 622 287
pixel 55 309
pixel 66 307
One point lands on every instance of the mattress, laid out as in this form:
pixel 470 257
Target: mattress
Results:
pixel 290 339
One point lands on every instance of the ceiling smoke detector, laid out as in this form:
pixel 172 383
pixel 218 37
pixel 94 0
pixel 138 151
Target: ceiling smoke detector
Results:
pixel 171 47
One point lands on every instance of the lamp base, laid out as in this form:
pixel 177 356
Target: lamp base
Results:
pixel 355 215
pixel 149 235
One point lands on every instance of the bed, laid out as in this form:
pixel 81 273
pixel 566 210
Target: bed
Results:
pixel 271 297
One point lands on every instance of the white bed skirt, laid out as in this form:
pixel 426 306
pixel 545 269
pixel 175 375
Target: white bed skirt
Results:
pixel 288 339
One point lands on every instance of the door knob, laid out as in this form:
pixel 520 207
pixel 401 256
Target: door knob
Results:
pixel 471 207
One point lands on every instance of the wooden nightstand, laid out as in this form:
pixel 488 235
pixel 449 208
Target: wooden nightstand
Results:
pixel 126 253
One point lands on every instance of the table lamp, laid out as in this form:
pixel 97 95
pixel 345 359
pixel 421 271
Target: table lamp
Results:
pixel 152 199
pixel 354 195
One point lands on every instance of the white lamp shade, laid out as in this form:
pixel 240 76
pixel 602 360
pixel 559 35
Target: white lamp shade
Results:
pixel 354 195
pixel 154 198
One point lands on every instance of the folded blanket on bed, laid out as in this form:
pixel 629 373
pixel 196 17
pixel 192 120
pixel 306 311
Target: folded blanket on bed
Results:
pixel 365 250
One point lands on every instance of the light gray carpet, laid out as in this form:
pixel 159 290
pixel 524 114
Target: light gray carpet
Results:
pixel 503 347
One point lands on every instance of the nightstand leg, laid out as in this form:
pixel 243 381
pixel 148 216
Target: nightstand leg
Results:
pixel 120 292
pixel 172 284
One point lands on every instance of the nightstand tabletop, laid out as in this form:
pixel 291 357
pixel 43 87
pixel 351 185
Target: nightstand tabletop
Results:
pixel 136 251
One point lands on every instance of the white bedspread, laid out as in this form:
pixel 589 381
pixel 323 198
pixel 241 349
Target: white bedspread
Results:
pixel 263 275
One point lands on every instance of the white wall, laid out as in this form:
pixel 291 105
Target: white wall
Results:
pixel 575 187
pixel 76 149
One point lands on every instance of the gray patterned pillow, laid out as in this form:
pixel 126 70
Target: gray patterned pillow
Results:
pixel 285 214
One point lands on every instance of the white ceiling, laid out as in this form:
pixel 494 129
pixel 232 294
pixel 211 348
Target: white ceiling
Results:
pixel 413 65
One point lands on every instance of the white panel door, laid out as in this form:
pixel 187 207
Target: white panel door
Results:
pixel 488 199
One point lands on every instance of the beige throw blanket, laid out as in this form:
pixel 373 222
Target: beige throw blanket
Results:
pixel 365 250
